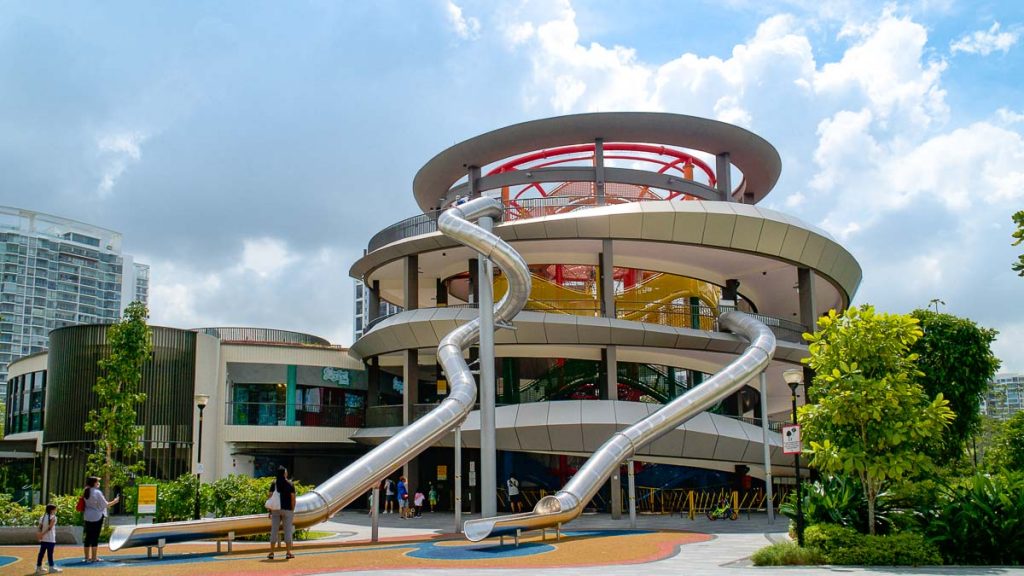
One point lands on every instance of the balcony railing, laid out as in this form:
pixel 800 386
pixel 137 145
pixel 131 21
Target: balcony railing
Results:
pixel 276 414
pixel 676 316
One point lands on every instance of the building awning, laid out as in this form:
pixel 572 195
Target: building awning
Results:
pixel 17 449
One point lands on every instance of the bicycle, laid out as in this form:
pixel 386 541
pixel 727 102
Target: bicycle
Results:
pixel 723 510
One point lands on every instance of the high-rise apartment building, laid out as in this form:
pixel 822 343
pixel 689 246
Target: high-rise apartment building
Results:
pixel 58 272
pixel 1005 396
pixel 362 316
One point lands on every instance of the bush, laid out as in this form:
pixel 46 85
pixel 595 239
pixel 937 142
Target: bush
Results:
pixel 176 500
pixel 14 514
pixel 838 500
pixel 787 554
pixel 830 537
pixel 904 549
pixel 980 521
pixel 66 513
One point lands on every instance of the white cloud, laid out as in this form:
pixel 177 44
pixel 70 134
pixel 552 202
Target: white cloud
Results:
pixel 1007 116
pixel 985 42
pixel 467 28
pixel 266 257
pixel 117 150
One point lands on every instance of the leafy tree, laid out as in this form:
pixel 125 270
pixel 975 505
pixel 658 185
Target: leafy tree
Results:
pixel 129 343
pixel 955 355
pixel 1018 236
pixel 1008 451
pixel 871 418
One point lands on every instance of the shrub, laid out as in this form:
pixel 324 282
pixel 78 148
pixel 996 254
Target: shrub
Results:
pixel 66 513
pixel 176 500
pixel 904 549
pixel 14 514
pixel 787 554
pixel 981 520
pixel 838 500
pixel 830 537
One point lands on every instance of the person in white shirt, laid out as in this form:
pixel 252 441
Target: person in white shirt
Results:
pixel 47 534
pixel 95 511
pixel 389 495
pixel 515 503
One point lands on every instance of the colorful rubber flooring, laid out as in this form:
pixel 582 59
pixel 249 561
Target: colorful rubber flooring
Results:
pixel 574 549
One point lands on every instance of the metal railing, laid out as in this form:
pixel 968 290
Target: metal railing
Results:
pixel 276 414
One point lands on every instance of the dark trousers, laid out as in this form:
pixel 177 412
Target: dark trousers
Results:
pixel 45 548
pixel 92 533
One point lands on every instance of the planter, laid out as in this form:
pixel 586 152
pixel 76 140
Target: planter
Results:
pixel 20 535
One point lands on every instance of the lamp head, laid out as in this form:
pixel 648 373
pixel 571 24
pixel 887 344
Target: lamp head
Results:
pixel 201 400
pixel 794 377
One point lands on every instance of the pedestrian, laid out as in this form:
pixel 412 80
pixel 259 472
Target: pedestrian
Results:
pixel 389 495
pixel 515 503
pixel 417 501
pixel 285 514
pixel 403 498
pixel 432 497
pixel 47 536
pixel 95 511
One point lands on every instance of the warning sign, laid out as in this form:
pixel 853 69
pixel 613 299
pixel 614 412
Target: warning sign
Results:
pixel 791 439
pixel 147 499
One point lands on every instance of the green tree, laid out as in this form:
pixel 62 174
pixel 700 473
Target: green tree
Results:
pixel 1018 237
pixel 870 419
pixel 1008 451
pixel 129 344
pixel 955 355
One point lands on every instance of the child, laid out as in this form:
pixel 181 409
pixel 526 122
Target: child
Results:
pixel 432 497
pixel 47 529
pixel 417 501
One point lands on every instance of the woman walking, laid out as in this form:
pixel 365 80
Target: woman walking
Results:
pixel 286 514
pixel 95 511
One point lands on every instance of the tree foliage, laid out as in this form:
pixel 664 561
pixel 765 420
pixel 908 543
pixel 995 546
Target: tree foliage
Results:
pixel 1008 449
pixel 118 437
pixel 955 356
pixel 871 418
pixel 1018 237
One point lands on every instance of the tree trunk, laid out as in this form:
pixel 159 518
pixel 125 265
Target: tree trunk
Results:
pixel 871 510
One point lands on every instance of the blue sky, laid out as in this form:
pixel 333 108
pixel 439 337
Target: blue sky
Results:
pixel 248 150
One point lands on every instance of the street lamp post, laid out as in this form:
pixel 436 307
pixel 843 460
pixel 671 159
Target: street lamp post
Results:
pixel 201 400
pixel 794 378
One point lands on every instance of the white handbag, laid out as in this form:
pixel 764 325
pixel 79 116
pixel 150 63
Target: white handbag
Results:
pixel 274 502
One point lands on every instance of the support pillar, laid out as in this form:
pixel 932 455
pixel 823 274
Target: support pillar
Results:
pixel 768 488
pixel 632 493
pixel 670 373
pixel 441 294
pixel 610 386
pixel 410 390
pixel 723 176
pixel 616 481
pixel 808 314
pixel 373 382
pixel 411 282
pixel 474 281
pixel 488 449
pixel 372 302
pixel 290 394
pixel 458 480
pixel 599 171
pixel 606 272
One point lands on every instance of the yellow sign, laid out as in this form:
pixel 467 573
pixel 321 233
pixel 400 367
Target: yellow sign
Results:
pixel 442 386
pixel 442 472
pixel 147 499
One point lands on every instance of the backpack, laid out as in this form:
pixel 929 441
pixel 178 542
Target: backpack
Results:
pixel 80 505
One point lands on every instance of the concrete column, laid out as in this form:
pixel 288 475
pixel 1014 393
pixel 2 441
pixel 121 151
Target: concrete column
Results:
pixel 723 176
pixel 372 382
pixel 632 493
pixel 440 294
pixel 616 481
pixel 610 386
pixel 411 282
pixel 606 274
pixel 767 448
pixel 808 314
pixel 372 301
pixel 488 450
pixel 410 391
pixel 599 171
pixel 671 375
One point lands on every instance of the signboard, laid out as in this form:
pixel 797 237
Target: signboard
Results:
pixel 147 499
pixel 791 439
pixel 442 386
pixel 338 376
pixel 442 472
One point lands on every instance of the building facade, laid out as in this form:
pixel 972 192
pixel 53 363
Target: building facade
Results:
pixel 639 229
pixel 367 307
pixel 275 397
pixel 1005 395
pixel 58 272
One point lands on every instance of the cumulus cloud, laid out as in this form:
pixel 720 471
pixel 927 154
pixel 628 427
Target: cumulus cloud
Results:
pixel 116 150
pixel 985 42
pixel 467 28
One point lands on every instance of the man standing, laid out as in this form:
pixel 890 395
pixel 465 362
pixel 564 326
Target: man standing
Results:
pixel 515 503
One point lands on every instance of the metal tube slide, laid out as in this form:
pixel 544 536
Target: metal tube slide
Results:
pixel 568 503
pixel 366 472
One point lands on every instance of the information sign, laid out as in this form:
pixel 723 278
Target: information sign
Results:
pixel 791 439
pixel 147 499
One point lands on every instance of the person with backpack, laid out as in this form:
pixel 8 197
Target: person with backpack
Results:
pixel 46 533
pixel 94 509
pixel 389 495
pixel 515 503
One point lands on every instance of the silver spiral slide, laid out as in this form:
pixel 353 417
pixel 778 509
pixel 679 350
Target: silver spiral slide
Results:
pixel 366 472
pixel 568 503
